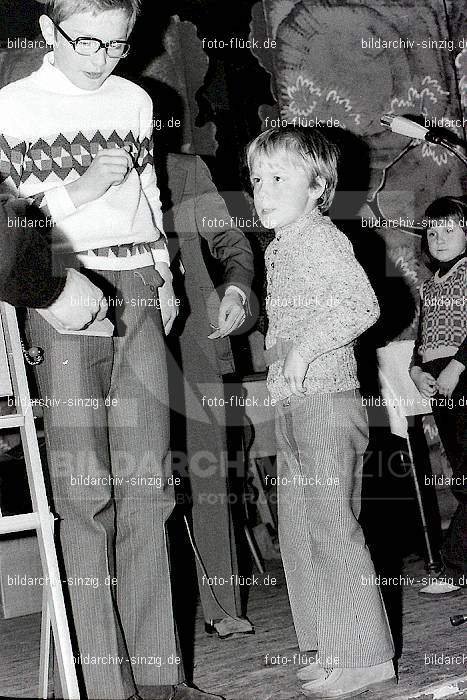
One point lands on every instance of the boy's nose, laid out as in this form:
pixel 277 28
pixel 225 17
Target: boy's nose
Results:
pixel 99 59
pixel 262 199
pixel 263 193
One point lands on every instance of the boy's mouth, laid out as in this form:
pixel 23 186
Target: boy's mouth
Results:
pixel 93 76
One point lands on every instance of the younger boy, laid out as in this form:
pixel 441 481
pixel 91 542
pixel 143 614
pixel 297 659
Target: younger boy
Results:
pixel 319 302
pixel 78 142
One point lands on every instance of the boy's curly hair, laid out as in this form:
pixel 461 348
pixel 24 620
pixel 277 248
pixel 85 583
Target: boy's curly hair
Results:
pixel 60 10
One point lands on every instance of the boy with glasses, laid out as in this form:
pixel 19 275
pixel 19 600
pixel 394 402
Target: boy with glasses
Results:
pixel 77 141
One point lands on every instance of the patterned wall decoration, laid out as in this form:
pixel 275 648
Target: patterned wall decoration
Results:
pixel 347 63
pixel 183 66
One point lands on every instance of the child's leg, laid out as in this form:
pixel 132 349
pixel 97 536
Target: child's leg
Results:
pixel 138 419
pixel 74 380
pixel 294 533
pixel 334 576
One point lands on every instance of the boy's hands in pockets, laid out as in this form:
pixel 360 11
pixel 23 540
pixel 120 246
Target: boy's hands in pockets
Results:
pixel 294 370
pixel 109 167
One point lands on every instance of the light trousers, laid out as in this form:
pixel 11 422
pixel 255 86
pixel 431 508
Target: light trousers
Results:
pixel 336 606
pixel 107 429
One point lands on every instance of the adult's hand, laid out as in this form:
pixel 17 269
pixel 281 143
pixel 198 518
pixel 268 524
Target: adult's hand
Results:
pixel 79 304
pixel 231 314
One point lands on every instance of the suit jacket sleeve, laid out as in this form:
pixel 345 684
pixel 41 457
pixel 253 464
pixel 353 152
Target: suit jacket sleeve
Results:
pixel 226 242
pixel 27 275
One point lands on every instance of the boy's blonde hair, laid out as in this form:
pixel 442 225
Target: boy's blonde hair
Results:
pixel 311 150
pixel 60 10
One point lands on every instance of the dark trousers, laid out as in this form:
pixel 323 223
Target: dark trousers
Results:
pixel 208 471
pixel 450 420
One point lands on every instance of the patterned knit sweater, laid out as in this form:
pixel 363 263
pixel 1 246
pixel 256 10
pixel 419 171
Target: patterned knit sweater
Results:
pixel 50 131
pixel 443 316
pixel 319 300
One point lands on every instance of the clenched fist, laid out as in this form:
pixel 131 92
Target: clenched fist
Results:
pixel 109 167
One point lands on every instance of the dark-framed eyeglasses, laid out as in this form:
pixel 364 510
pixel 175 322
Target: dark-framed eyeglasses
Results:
pixel 89 45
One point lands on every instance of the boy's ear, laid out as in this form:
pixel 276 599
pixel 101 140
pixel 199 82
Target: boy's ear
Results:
pixel 319 186
pixel 47 29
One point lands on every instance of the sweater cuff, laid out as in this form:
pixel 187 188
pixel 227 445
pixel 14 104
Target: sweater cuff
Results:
pixel 59 203
pixel 309 349
pixel 161 255
pixel 461 354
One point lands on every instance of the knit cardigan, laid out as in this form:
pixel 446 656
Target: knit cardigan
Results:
pixel 319 301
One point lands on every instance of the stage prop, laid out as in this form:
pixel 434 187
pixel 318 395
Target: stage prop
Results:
pixel 402 400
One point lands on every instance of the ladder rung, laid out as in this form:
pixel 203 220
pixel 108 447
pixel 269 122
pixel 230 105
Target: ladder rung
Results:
pixel 18 523
pixel 15 420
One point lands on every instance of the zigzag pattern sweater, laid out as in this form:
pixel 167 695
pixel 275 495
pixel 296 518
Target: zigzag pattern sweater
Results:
pixel 50 131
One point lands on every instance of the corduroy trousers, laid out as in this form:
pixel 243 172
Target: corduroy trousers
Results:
pixel 336 605
pixel 106 415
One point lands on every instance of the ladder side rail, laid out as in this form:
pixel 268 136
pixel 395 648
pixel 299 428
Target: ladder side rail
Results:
pixel 45 530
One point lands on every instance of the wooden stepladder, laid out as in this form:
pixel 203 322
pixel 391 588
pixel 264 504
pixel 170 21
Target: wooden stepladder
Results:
pixel 54 618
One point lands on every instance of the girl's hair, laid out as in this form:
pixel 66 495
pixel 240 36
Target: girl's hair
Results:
pixel 442 209
pixel 308 147
pixel 60 10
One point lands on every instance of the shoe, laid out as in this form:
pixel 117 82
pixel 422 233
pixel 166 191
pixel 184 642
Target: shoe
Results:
pixel 313 671
pixel 229 627
pixel 343 683
pixel 182 691
pixel 440 587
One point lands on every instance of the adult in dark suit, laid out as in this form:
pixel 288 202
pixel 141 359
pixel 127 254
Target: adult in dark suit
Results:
pixel 30 277
pixel 198 219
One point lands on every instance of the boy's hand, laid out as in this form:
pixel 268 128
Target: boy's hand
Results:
pixel 167 299
pixel 169 309
pixel 449 377
pixel 109 167
pixel 294 370
pixel 425 383
pixel 80 303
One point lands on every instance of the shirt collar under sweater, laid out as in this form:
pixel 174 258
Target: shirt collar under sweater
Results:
pixel 303 222
pixel 446 265
pixel 51 79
